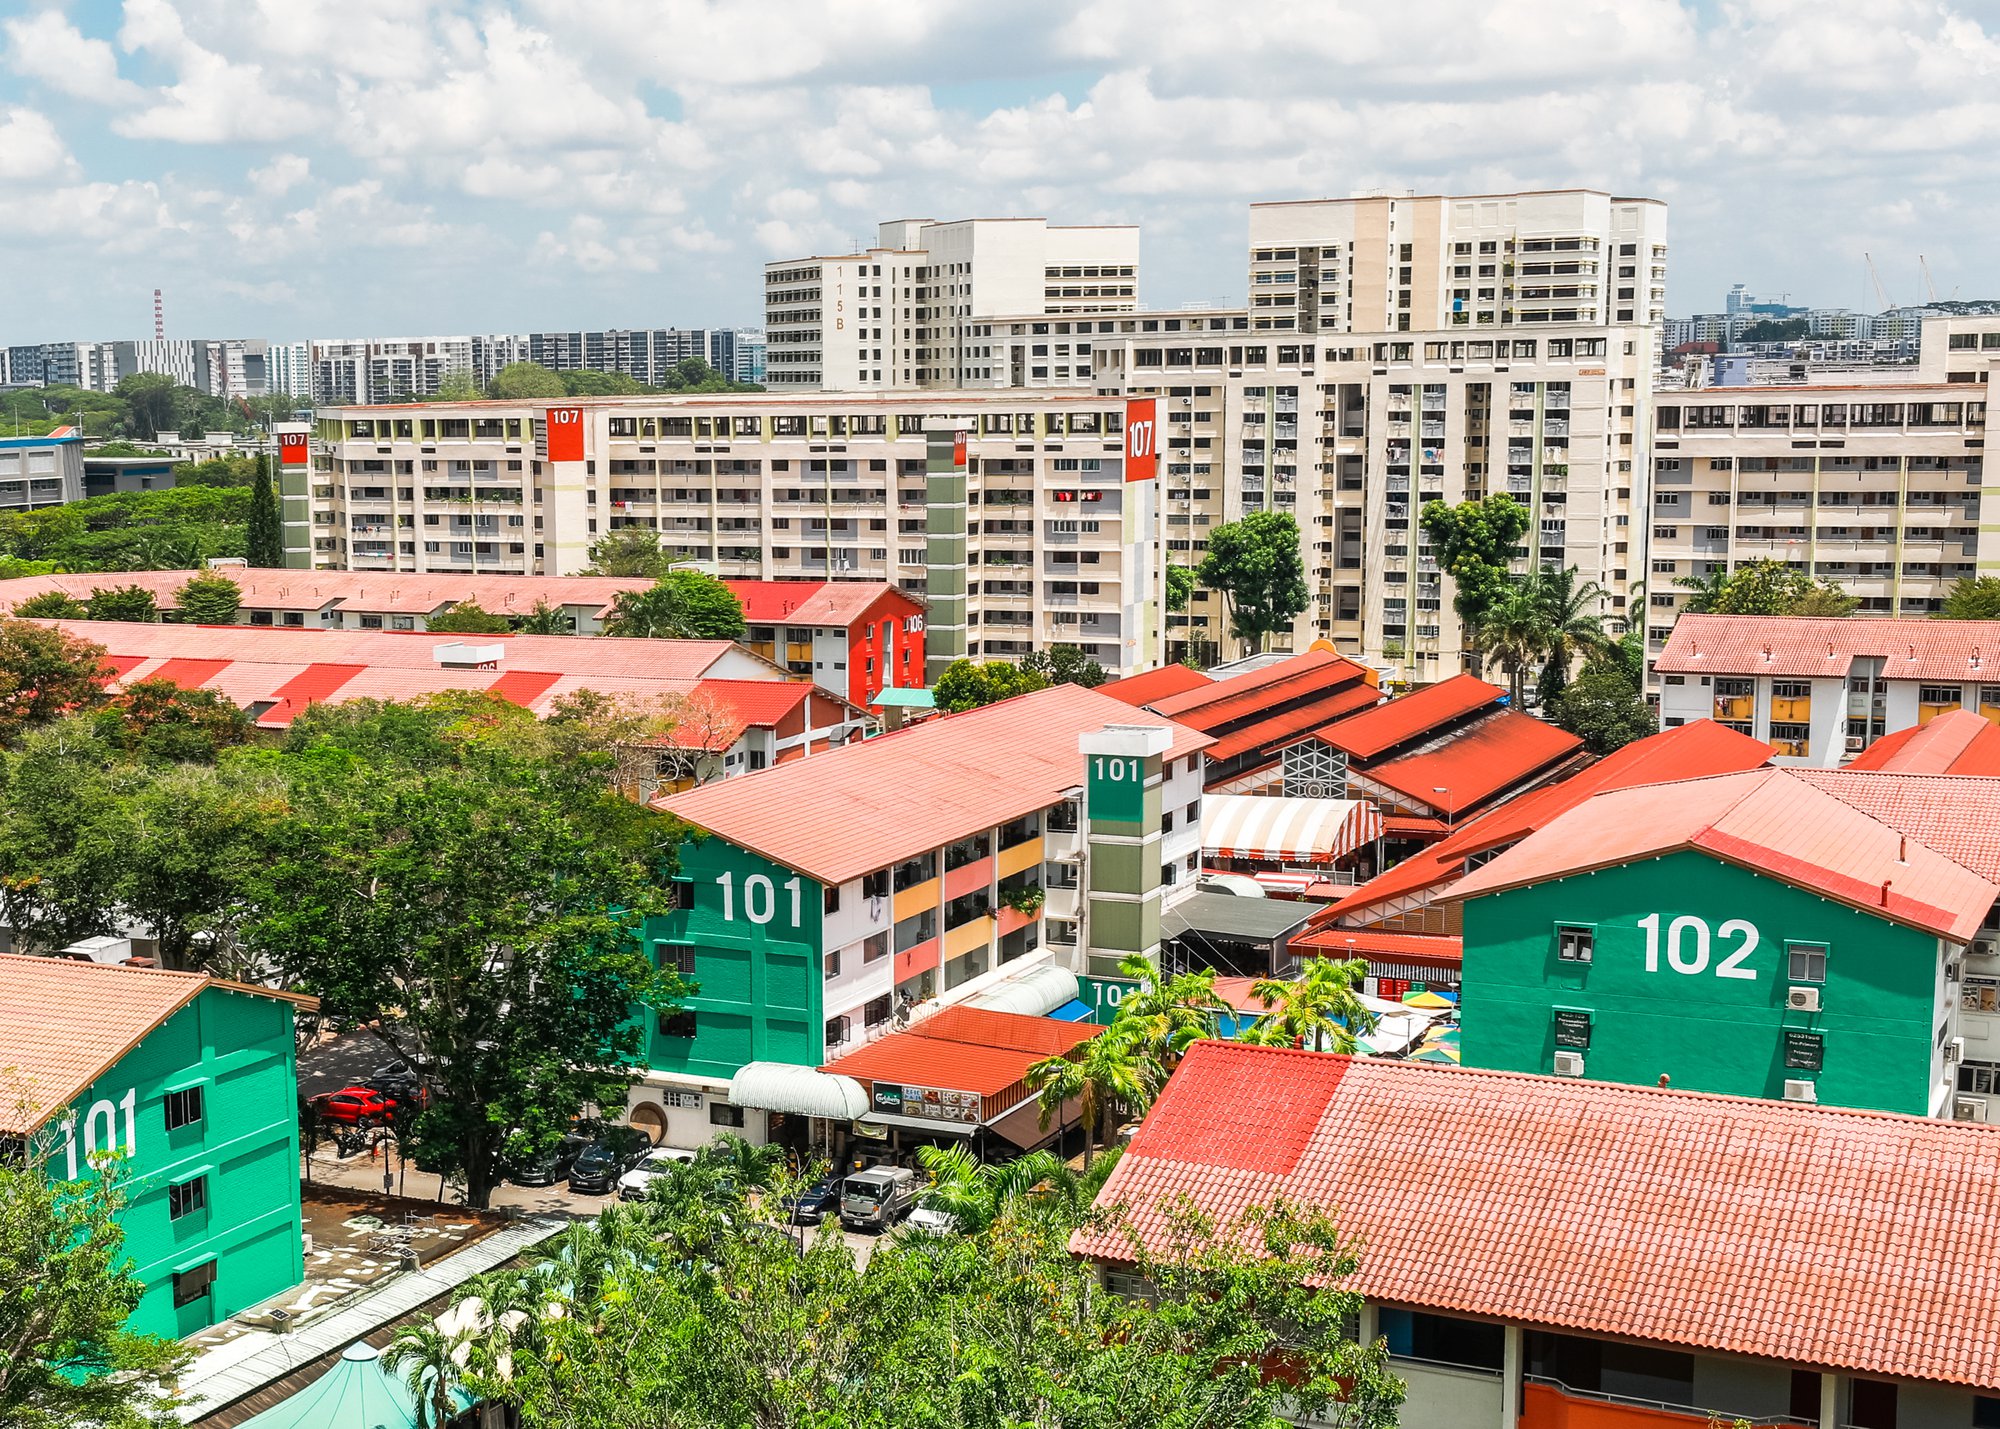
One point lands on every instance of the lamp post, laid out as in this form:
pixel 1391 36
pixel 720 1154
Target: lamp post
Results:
pixel 1444 789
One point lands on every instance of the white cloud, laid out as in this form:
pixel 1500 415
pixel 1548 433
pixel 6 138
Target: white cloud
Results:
pixel 212 101
pixel 283 173
pixel 47 48
pixel 30 147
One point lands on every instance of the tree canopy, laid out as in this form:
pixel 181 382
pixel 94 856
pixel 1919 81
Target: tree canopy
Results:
pixel 209 599
pixel 681 605
pixel 1602 708
pixel 1260 569
pixel 264 537
pixel 525 379
pixel 468 617
pixel 1766 587
pixel 629 551
pixel 1476 542
pixel 1975 598
pixel 172 529
pixel 1065 665
pixel 965 685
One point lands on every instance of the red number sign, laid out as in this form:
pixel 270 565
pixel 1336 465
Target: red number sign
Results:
pixel 292 449
pixel 958 449
pixel 565 433
pixel 1142 439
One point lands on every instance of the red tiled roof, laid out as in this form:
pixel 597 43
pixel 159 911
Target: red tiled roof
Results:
pixel 1803 646
pixel 1150 685
pixel 1956 742
pixel 1766 820
pixel 1855 1241
pixel 314 685
pixel 1685 752
pixel 1011 1031
pixel 1477 762
pixel 838 603
pixel 1330 942
pixel 920 1061
pixel 1959 816
pixel 1374 732
pixel 375 592
pixel 63 1024
pixel 852 810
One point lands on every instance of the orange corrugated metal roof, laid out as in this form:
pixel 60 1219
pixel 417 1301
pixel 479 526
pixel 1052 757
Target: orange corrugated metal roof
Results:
pixel 1766 820
pixel 1209 707
pixel 1804 646
pixel 1150 685
pixel 63 1024
pixel 1956 742
pixel 865 806
pixel 1360 942
pixel 1855 1241
pixel 920 1061
pixel 1011 1031
pixel 1375 731
pixel 1477 762
pixel 1282 729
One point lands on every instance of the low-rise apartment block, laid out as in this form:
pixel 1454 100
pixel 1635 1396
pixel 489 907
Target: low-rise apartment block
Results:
pixel 41 471
pixel 762 487
pixel 902 314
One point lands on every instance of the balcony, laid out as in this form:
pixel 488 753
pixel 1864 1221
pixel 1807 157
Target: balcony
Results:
pixel 1551 1404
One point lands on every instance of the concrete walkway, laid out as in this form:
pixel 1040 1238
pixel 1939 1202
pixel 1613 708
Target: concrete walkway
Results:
pixel 246 1364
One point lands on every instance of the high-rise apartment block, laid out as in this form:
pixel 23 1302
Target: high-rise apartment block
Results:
pixel 904 313
pixel 1485 260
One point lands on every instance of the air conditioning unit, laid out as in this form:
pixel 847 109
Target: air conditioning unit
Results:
pixel 1800 1091
pixel 1802 999
pixel 1569 1064
pixel 1855 744
pixel 1981 948
pixel 1968 1109
pixel 1954 1050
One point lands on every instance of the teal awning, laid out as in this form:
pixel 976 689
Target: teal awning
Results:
pixel 357 1393
pixel 908 699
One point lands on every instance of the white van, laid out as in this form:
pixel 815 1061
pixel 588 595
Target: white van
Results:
pixel 875 1199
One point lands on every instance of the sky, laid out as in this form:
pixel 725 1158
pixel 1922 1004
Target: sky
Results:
pixel 347 168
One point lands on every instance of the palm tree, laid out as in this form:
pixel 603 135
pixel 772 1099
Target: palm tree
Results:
pixel 748 1167
pixel 1320 1009
pixel 976 1195
pixel 1573 617
pixel 1113 1068
pixel 1166 1016
pixel 1513 632
pixel 1708 590
pixel 429 1361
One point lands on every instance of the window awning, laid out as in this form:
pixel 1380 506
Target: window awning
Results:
pixel 798 1091
pixel 1035 993
pixel 1286 830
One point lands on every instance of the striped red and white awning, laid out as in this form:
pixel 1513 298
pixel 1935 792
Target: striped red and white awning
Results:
pixel 1308 831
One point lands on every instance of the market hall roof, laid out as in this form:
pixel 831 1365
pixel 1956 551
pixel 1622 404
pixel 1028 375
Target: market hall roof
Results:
pixel 1768 821
pixel 1955 742
pixel 1860 1242
pixel 1797 647
pixel 870 804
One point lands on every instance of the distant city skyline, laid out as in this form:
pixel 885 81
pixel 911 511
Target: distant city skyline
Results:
pixel 379 168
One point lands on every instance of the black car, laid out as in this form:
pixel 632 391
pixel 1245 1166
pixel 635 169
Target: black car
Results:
pixel 600 1164
pixel 816 1202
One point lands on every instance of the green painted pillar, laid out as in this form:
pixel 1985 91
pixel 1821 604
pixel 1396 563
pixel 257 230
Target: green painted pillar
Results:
pixel 944 547
pixel 292 476
pixel 1124 770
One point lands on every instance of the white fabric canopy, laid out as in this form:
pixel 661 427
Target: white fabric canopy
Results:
pixel 801 1091
pixel 1286 830
pixel 1034 993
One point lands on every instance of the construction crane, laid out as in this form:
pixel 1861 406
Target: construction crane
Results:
pixel 1881 293
pixel 1924 268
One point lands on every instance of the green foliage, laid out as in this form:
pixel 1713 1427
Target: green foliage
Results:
pixel 1180 585
pixel 66 1290
pixel 1320 1009
pixel 1975 598
pixel 1776 330
pixel 681 605
pixel 1065 665
pixel 456 387
pixel 1765 587
pixel 580 382
pixel 1114 1070
pixel 133 603
pixel 1603 709
pixel 209 599
pixel 36 411
pixel 217 471
pixel 44 671
pixel 468 617
pixel 1475 542
pixel 1260 569
pixel 687 1309
pixel 165 721
pixel 966 686
pixel 629 551
pixel 264 539
pixel 50 605
pixel 175 529
pixel 525 380
pixel 149 403
pixel 546 619
pixel 125 449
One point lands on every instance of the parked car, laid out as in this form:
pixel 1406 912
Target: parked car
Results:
pixel 875 1199
pixel 355 1106
pixel 632 1185
pixel 399 1084
pixel 928 1220
pixel 599 1165
pixel 816 1202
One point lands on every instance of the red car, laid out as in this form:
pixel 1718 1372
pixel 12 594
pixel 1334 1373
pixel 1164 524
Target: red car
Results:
pixel 356 1106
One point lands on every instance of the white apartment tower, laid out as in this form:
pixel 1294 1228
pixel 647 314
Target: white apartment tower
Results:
pixel 904 314
pixel 1385 264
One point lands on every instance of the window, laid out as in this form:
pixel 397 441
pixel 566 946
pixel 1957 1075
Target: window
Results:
pixel 722 1114
pixel 187 1196
pixel 183 1108
pixel 832 964
pixel 676 1024
pixel 191 1285
pixel 838 1030
pixel 1807 961
pixel 830 900
pixel 677 957
pixel 1574 942
pixel 879 1011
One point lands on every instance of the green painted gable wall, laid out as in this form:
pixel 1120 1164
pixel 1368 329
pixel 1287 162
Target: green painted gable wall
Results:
pixel 238 1049
pixel 1706 1032
pixel 754 928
